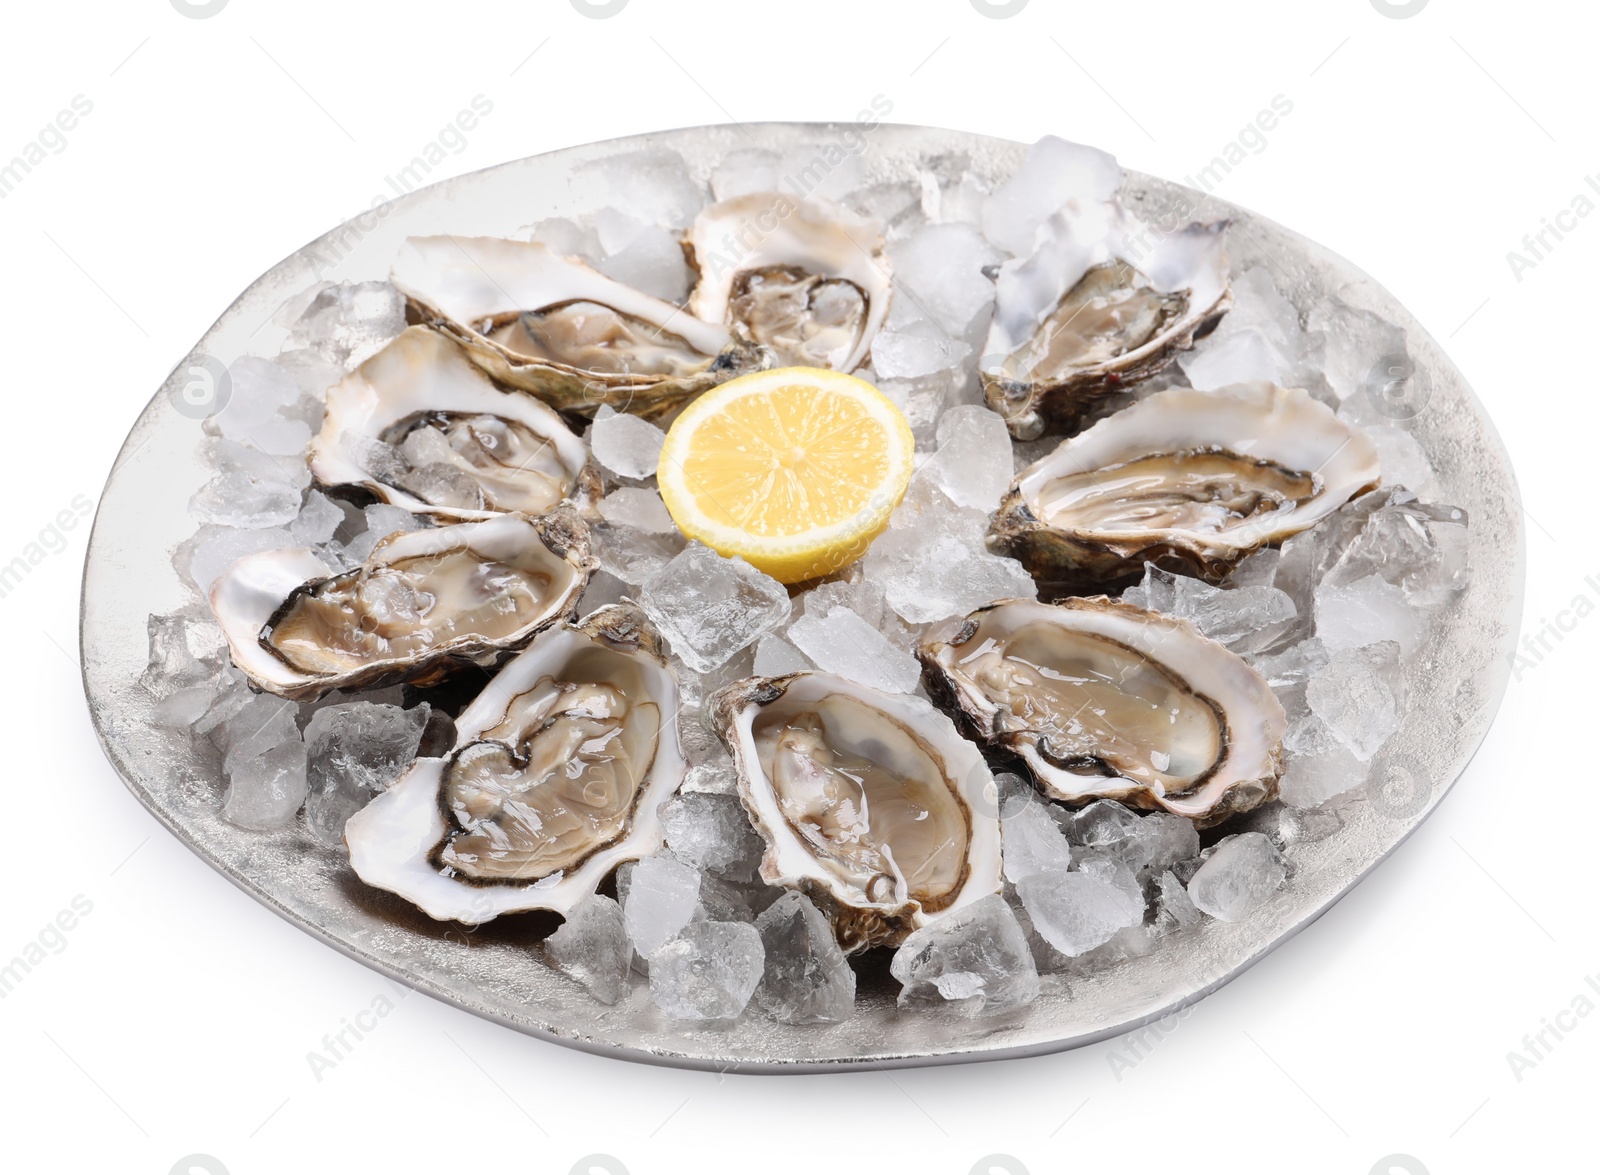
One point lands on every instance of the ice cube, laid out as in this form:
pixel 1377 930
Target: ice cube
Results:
pixel 776 657
pixel 641 509
pixel 1259 339
pixel 266 790
pixel 709 607
pixel 939 269
pixel 591 946
pixel 568 238
pixel 973 464
pixel 1257 570
pixel 186 648
pixel 651 261
pixel 259 410
pixel 1246 619
pixel 845 644
pixel 1032 843
pixel 824 170
pixel 1175 910
pixel 662 895
pixel 251 489
pixel 807 979
pixel 1401 458
pixel 625 444
pixel 1354 341
pixel 743 171
pixel 1317 765
pixel 382 520
pixel 319 519
pixel 901 355
pixel 1242 872
pixel 708 971
pixel 1053 175
pixel 348 321
pixel 1355 696
pixel 654 184
pixel 1366 612
pixel 1076 912
pixel 355 749
pixel 1293 666
pixel 976 958
pixel 634 556
pixel 712 834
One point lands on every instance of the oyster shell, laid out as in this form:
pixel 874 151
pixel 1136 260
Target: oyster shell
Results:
pixel 553 326
pixel 554 780
pixel 1080 319
pixel 1191 481
pixel 423 429
pixel 806 279
pixel 866 801
pixel 1104 699
pixel 423 602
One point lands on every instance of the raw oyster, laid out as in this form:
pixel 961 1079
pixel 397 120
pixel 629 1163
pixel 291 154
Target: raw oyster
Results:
pixel 1190 481
pixel 569 334
pixel 1100 698
pixel 422 428
pixel 422 603
pixel 1080 319
pixel 554 780
pixel 869 802
pixel 806 279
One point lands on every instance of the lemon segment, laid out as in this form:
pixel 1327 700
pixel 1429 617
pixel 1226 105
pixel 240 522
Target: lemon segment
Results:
pixel 795 470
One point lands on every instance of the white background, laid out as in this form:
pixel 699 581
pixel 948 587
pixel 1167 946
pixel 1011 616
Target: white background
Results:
pixel 178 1017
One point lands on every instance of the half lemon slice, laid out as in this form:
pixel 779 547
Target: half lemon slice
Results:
pixel 795 470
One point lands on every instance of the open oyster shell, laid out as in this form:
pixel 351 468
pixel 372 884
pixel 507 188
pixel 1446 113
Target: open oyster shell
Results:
pixel 421 604
pixel 423 429
pixel 554 780
pixel 569 334
pixel 806 279
pixel 869 802
pixel 1191 481
pixel 1088 314
pixel 1104 699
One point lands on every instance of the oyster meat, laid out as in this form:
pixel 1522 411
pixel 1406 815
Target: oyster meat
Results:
pixel 422 603
pixel 1080 319
pixel 554 780
pixel 423 429
pixel 1104 699
pixel 805 279
pixel 1190 481
pixel 569 334
pixel 869 802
